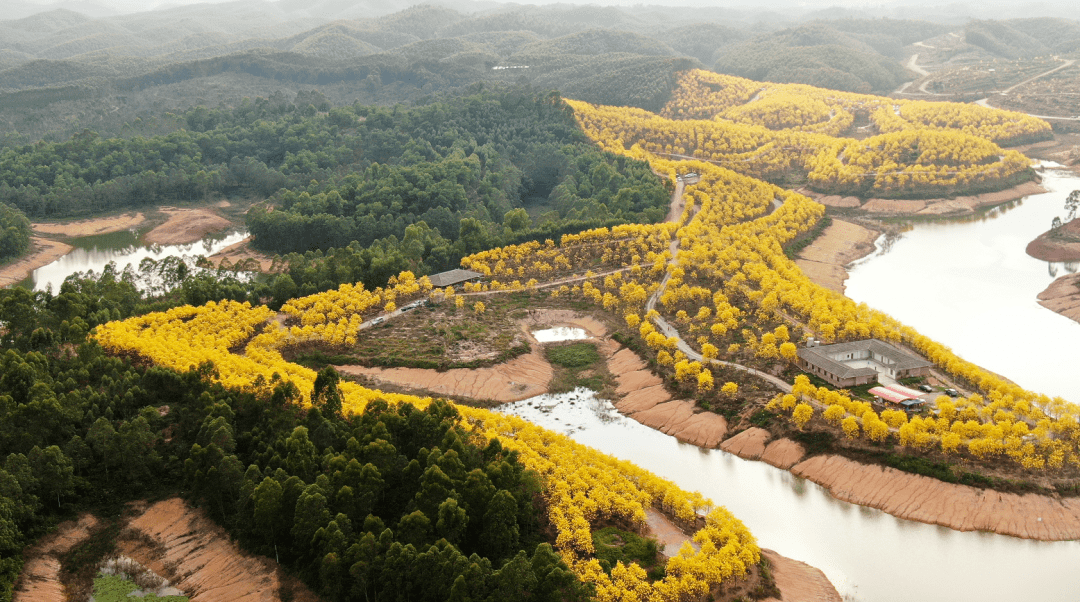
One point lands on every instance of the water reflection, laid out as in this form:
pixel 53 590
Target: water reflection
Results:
pixel 559 333
pixel 93 253
pixel 968 283
pixel 869 555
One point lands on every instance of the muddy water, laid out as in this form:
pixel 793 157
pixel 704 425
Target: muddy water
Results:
pixel 869 555
pixel 970 285
pixel 559 333
pixel 125 248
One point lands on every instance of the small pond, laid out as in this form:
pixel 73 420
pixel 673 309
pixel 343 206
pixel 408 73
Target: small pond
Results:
pixel 560 333
pixel 95 252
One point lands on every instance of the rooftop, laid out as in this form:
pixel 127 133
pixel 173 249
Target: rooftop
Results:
pixel 822 357
pixel 452 277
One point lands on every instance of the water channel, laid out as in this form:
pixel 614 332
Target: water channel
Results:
pixel 969 284
pixel 868 554
pixel 125 248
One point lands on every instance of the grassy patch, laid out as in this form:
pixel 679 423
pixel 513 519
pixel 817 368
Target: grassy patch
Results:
pixel 577 365
pixel 814 442
pixel 573 356
pixel 614 545
pixel 762 418
pixel 113 588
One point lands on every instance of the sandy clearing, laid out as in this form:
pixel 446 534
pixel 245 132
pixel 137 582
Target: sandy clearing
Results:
pixel 798 581
pixel 242 252
pixel 42 252
pixel 1063 297
pixel 209 567
pixel 40 579
pixel 185 226
pixel 958 507
pixel 824 260
pixel 666 532
pixel 90 227
pixel 521 378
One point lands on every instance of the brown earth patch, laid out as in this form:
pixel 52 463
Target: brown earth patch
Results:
pixel 40 578
pixel 893 206
pixel 242 254
pixel 798 581
pixel 666 532
pixel 958 507
pixel 681 420
pixel 1063 297
pixel 202 561
pixel 783 453
pixel 749 444
pixel 550 318
pixel 520 378
pixel 644 399
pixel 90 227
pixel 841 243
pixel 42 252
pixel 1059 244
pixel 185 226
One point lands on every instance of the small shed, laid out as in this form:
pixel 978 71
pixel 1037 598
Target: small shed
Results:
pixel 453 278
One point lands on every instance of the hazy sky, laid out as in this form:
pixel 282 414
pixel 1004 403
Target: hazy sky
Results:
pixel 912 9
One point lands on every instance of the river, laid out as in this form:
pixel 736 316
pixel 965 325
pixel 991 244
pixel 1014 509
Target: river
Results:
pixel 869 555
pixel 125 248
pixel 969 284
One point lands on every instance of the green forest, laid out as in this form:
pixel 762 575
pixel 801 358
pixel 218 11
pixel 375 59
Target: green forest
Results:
pixel 371 506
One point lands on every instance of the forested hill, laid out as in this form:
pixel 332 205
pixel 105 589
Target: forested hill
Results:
pixel 61 67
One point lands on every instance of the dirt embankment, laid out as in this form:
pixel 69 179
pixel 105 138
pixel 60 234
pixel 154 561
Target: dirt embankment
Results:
pixel 644 399
pixel 186 226
pixel 1059 244
pixel 90 227
pixel 754 444
pixel 40 579
pixel 927 207
pixel 242 254
pixel 824 261
pixel 42 252
pixel 958 507
pixel 521 378
pixel 798 581
pixel 1063 296
pixel 199 558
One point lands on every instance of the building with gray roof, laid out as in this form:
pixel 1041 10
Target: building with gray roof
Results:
pixel 453 277
pixel 859 362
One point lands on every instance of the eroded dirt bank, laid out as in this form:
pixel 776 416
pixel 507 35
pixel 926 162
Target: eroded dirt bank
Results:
pixel 202 560
pixel 824 260
pixel 520 378
pixel 957 507
pixel 42 252
pixel 1059 244
pixel 40 579
pixel 1063 296
pixel 926 207
pixel 644 399
pixel 798 581
pixel 241 253
pixel 90 227
pixel 186 226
